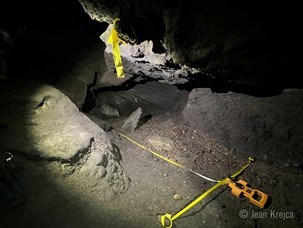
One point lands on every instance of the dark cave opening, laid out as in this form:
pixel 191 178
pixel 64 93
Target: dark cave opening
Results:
pixel 46 40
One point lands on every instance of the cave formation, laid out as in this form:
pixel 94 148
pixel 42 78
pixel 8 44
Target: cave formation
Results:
pixel 207 84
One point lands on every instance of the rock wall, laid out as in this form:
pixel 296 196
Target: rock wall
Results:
pixel 141 60
pixel 251 42
pixel 262 127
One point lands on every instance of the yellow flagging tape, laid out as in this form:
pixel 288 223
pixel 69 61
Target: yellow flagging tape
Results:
pixel 114 41
pixel 167 219
pixel 164 158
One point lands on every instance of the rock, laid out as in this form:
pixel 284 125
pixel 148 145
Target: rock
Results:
pixel 104 110
pixel 177 196
pixel 255 125
pixel 151 65
pixel 140 59
pixel 160 142
pixel 101 123
pixel 42 122
pixel 154 96
pixel 74 88
pixel 116 152
pixel 132 121
pixel 138 52
pixel 103 14
pixel 157 94
pixel 50 125
pixel 108 111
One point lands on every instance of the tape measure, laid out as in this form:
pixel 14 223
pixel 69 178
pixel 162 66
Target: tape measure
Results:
pixel 165 158
pixel 255 196
pixel 167 219
pixel 239 188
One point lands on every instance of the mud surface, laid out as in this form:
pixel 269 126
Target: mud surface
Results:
pixel 56 197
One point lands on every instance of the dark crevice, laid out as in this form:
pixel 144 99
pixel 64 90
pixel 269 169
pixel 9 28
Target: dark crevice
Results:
pixel 158 47
pixel 90 99
pixel 143 120
pixel 135 80
pixel 80 154
pixel 42 102
pixel 104 161
pixel 142 61
pixel 224 86
pixel 171 64
pixel 116 152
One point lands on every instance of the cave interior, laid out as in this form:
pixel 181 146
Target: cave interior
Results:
pixel 207 84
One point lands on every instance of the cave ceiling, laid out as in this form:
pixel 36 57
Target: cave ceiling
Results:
pixel 248 42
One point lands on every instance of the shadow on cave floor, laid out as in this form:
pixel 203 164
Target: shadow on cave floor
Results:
pixel 155 99
pixel 54 199
pixel 261 89
pixel 53 196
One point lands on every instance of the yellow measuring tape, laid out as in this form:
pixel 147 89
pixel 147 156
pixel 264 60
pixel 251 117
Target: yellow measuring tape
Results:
pixel 114 41
pixel 167 219
pixel 164 158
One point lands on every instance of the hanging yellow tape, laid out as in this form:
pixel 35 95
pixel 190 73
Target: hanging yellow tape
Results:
pixel 167 219
pixel 114 41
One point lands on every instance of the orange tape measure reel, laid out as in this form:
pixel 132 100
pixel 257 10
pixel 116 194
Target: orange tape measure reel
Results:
pixel 255 196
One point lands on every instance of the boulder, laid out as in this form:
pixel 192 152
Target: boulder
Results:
pixel 131 123
pixel 253 125
pixel 101 123
pixel 40 122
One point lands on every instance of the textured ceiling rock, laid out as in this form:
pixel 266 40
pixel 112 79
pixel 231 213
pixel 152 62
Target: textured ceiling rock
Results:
pixel 143 68
pixel 240 41
pixel 140 59
pixel 144 16
pixel 101 11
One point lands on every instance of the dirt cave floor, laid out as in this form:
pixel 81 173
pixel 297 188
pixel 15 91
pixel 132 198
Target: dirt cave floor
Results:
pixel 55 197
